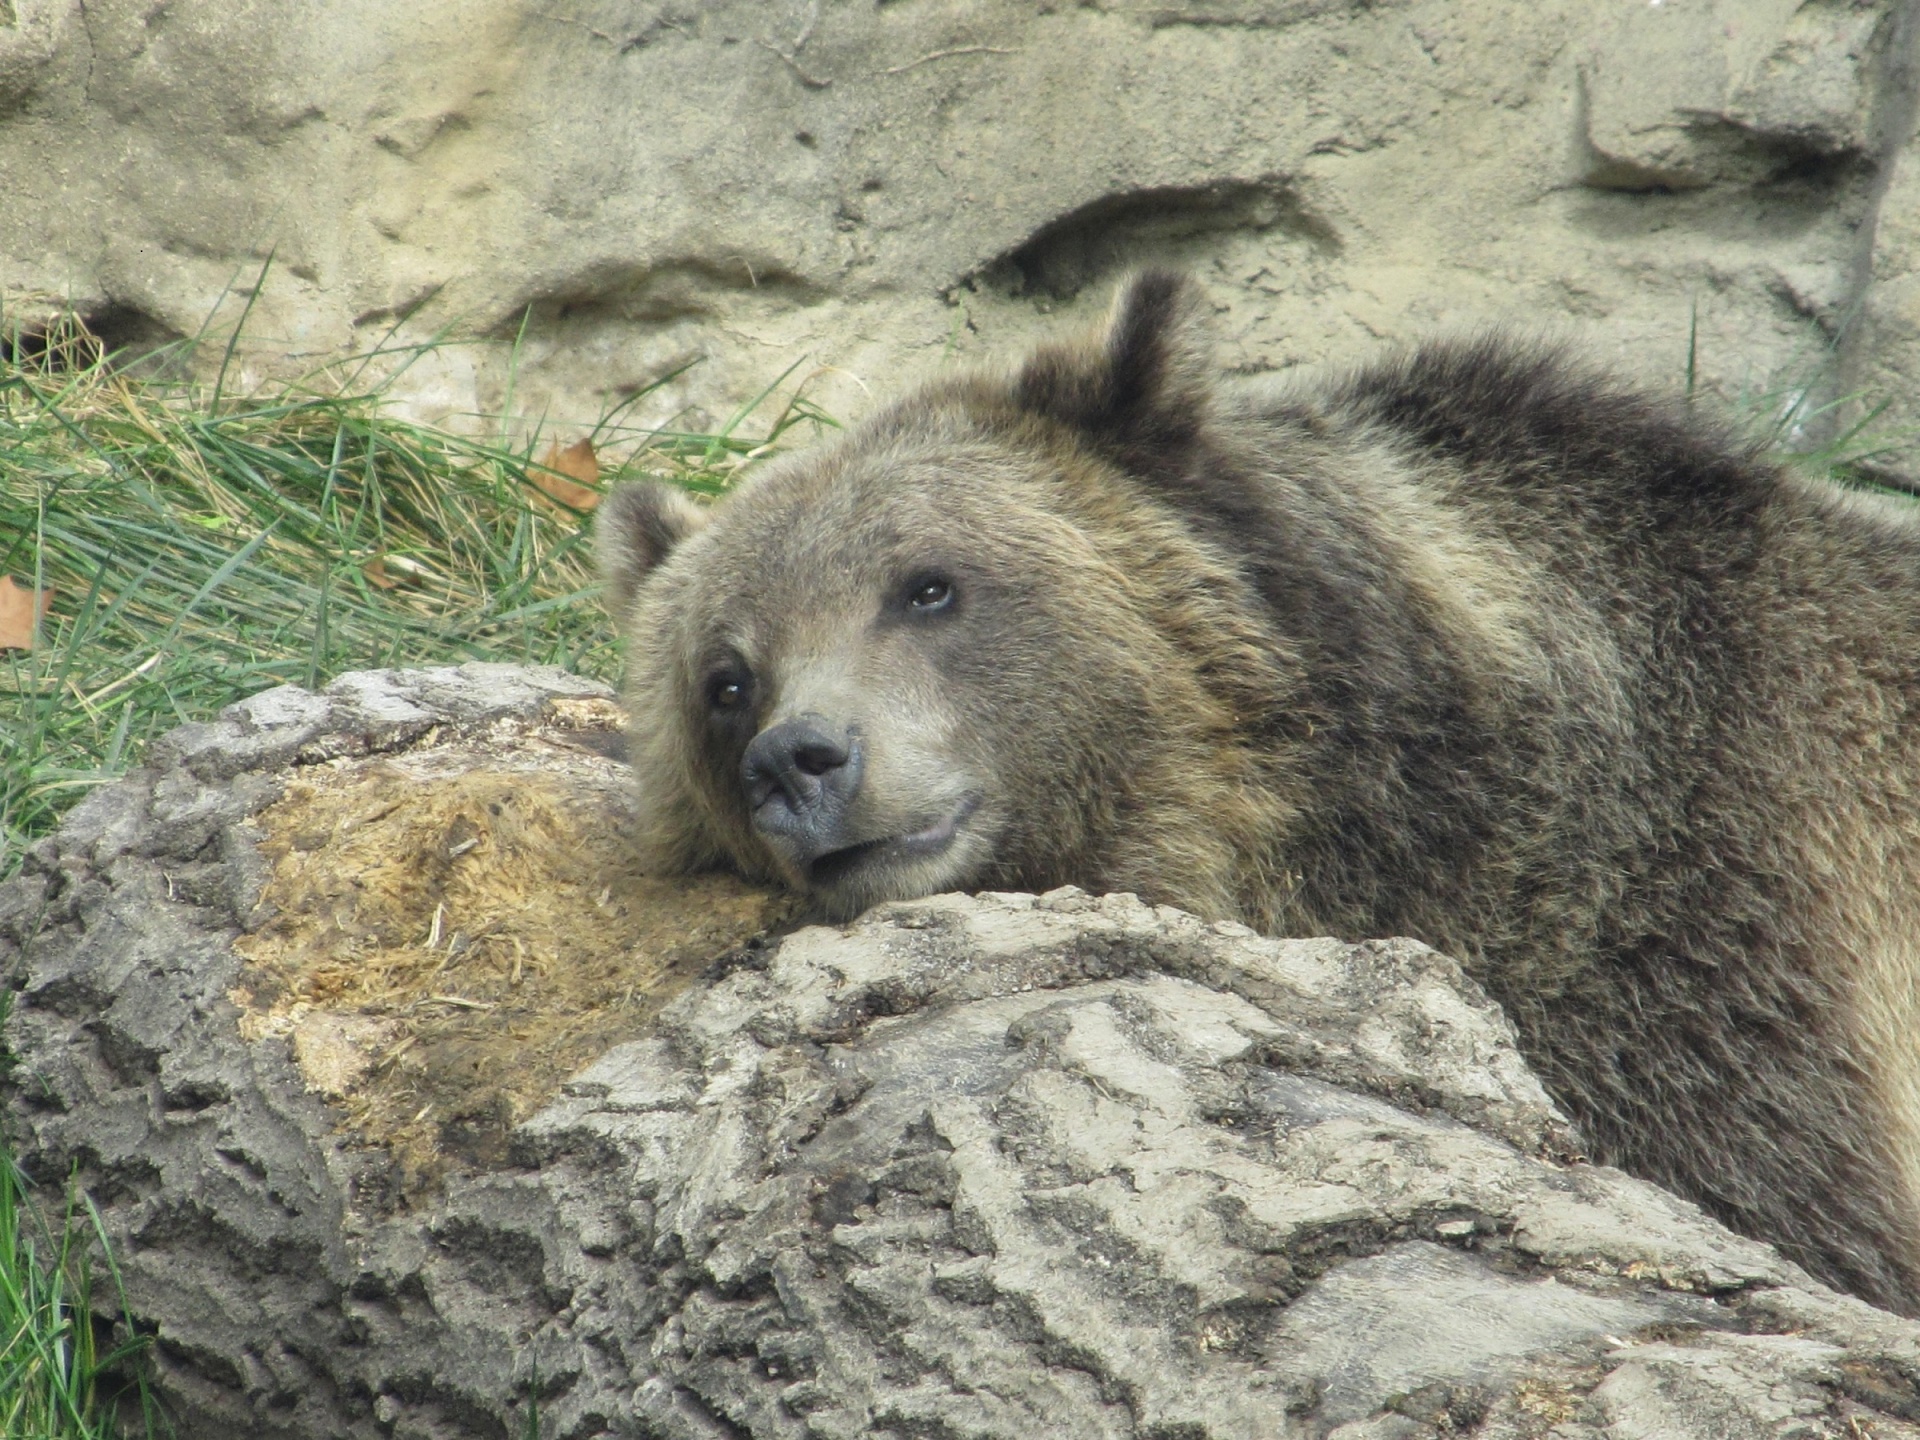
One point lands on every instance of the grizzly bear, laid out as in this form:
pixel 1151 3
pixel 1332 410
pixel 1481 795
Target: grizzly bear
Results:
pixel 1472 645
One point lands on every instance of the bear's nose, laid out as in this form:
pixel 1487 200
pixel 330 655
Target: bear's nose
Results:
pixel 798 778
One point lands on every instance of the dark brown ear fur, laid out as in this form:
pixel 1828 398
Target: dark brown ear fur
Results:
pixel 635 529
pixel 1144 385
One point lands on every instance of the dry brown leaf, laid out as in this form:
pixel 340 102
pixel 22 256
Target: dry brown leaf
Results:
pixel 388 571
pixel 20 610
pixel 567 475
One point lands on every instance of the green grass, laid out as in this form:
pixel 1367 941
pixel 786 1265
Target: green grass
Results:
pixel 204 546
pixel 57 1382
pixel 1839 438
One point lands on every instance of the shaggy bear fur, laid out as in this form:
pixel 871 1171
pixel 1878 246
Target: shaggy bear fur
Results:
pixel 1472 645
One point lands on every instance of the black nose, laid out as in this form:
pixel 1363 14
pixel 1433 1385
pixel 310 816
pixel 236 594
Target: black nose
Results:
pixel 799 776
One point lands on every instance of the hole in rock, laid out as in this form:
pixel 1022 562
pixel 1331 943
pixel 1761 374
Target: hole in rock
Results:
pixel 1173 225
pixel 133 340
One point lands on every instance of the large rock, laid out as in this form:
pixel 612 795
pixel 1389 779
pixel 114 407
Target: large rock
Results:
pixel 595 193
pixel 1002 1166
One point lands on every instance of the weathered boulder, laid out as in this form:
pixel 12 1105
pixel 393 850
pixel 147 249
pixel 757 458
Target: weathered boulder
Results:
pixel 994 1166
pixel 593 194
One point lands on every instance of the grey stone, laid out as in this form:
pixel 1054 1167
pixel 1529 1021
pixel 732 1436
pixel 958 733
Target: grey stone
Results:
pixel 359 711
pixel 994 1166
pixel 1419 1315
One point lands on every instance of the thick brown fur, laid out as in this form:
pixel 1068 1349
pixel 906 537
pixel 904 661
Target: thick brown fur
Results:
pixel 1473 645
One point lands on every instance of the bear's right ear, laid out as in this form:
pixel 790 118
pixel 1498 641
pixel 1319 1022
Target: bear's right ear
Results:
pixel 1145 384
pixel 633 531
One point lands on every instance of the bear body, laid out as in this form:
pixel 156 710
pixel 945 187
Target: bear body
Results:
pixel 1473 646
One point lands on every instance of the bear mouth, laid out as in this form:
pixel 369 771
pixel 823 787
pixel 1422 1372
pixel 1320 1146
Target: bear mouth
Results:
pixel 834 866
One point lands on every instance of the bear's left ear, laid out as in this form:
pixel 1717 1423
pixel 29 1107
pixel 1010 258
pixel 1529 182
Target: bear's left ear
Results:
pixel 635 528
pixel 1145 384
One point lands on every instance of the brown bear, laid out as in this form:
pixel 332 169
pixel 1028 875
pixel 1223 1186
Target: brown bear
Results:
pixel 1472 645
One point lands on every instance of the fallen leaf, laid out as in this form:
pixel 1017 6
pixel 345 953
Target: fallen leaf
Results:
pixel 568 475
pixel 387 571
pixel 20 610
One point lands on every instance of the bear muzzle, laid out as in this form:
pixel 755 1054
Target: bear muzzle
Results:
pixel 800 777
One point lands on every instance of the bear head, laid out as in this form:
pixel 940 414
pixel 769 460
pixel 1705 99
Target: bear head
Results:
pixel 970 643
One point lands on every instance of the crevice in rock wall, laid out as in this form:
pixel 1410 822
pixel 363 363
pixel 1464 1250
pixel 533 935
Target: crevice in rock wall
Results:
pixel 129 334
pixel 76 340
pixel 1258 14
pixel 1724 151
pixel 697 288
pixel 1717 213
pixel 1722 145
pixel 1100 240
pixel 623 331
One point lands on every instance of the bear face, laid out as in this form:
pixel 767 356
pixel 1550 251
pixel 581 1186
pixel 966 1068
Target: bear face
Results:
pixel 910 661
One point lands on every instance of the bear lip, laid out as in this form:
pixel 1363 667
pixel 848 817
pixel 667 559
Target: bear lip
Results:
pixel 835 865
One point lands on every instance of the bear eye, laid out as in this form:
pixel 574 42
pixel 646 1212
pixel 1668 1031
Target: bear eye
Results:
pixel 930 593
pixel 729 691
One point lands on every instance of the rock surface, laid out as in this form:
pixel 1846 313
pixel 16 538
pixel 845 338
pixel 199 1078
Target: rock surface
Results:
pixel 994 1166
pixel 596 193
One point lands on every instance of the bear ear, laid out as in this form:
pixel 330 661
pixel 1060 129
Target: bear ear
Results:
pixel 635 529
pixel 1146 383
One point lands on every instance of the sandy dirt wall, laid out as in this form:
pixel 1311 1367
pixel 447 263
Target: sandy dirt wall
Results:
pixel 597 193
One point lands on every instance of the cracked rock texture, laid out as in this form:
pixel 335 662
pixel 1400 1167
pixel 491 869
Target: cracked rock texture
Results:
pixel 1008 1166
pixel 599 192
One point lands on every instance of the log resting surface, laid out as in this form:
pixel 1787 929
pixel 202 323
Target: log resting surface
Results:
pixel 1014 1166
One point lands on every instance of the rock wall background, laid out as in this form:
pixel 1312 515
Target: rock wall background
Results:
pixel 875 187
